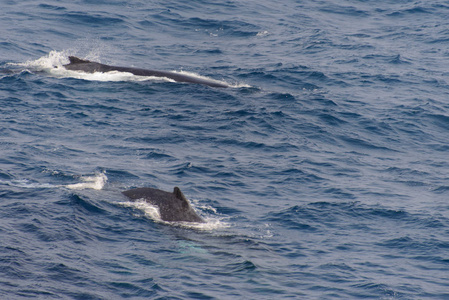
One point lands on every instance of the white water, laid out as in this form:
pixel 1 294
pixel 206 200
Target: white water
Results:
pixel 95 182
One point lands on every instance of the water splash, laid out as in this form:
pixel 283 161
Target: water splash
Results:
pixel 95 182
pixel 54 59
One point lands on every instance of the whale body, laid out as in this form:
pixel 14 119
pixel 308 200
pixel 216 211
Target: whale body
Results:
pixel 78 64
pixel 173 207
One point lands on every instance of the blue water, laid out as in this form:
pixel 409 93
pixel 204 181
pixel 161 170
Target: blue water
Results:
pixel 322 171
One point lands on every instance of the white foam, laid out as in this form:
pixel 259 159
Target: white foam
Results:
pixel 208 225
pixel 262 33
pixel 149 210
pixel 96 182
pixel 25 183
pixel 240 85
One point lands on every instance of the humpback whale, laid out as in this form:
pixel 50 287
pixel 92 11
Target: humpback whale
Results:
pixel 173 207
pixel 78 64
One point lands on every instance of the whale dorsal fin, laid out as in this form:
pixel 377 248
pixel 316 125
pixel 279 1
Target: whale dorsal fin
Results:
pixel 178 194
pixel 76 60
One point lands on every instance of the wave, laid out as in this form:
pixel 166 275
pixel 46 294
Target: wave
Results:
pixel 319 215
pixel 95 182
pixel 26 183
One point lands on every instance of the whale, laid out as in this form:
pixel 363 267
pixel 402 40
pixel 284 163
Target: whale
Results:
pixel 78 64
pixel 173 207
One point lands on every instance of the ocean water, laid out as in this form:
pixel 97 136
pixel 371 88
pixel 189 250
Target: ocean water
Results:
pixel 322 171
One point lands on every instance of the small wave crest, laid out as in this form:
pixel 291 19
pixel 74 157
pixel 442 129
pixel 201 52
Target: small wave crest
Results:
pixel 95 182
pixel 28 184
pixel 152 212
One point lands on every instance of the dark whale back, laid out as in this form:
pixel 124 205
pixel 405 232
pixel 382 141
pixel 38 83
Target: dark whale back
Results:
pixel 172 206
pixel 76 60
pixel 78 64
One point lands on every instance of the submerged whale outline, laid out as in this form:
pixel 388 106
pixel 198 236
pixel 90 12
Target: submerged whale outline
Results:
pixel 78 64
pixel 173 207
